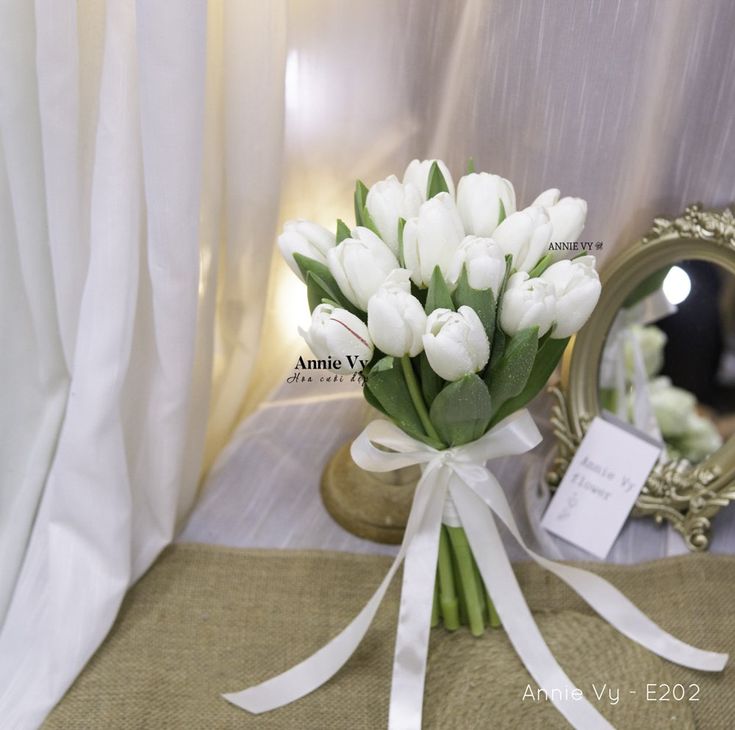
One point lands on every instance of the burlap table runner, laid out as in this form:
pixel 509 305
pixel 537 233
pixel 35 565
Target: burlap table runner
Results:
pixel 207 619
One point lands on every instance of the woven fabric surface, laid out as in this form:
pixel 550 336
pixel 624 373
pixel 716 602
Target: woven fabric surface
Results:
pixel 206 620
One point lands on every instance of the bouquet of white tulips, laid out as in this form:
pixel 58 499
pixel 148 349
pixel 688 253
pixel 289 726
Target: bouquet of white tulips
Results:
pixel 454 309
pixel 456 312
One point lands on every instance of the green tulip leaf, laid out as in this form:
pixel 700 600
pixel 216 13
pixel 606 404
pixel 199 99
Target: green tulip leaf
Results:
pixel 320 292
pixel 342 231
pixel 497 348
pixel 320 284
pixel 513 370
pixel 482 301
pixel 401 226
pixel 501 212
pixel 541 266
pixel 470 166
pixel 435 183
pixel 317 268
pixel 377 356
pixel 547 358
pixel 647 287
pixel 368 223
pixel 497 341
pixel 462 410
pixel 360 195
pixel 388 387
pixel 431 383
pixel 362 216
pixel 317 292
pixel 438 296
pixel 373 401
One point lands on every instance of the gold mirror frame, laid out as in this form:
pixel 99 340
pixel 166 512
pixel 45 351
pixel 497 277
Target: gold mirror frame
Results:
pixel 683 494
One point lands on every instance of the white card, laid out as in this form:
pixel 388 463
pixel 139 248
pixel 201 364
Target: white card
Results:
pixel 601 485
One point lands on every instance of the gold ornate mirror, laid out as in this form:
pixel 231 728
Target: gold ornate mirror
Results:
pixel 660 353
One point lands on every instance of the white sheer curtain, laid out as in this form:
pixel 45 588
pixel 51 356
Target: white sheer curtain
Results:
pixel 141 147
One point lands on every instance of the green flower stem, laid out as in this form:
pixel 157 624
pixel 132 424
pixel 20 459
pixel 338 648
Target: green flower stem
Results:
pixel 494 618
pixel 459 587
pixel 483 593
pixel 418 401
pixel 447 595
pixel 435 603
pixel 471 590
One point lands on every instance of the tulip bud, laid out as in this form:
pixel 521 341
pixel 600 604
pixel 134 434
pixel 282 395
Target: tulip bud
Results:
pixel 339 335
pixel 417 173
pixel 673 406
pixel 360 265
pixel 700 439
pixel 567 217
pixel 306 238
pixel 525 235
pixel 527 303
pixel 455 343
pixel 548 198
pixel 577 289
pixel 389 200
pixel 431 238
pixel 396 319
pixel 479 196
pixel 485 263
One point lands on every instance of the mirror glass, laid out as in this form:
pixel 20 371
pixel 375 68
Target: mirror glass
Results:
pixel 668 365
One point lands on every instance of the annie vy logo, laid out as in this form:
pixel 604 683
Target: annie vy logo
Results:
pixel 331 364
pixel 575 245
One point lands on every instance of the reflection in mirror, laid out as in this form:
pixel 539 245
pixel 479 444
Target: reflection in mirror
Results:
pixel 668 366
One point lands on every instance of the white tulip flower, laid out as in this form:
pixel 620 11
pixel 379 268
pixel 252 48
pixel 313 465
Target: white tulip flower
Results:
pixel 305 238
pixel 548 198
pixel 527 303
pixel 673 406
pixel 700 440
pixel 387 201
pixel 396 319
pixel 577 289
pixel 525 235
pixel 479 198
pixel 567 217
pixel 360 265
pixel 431 238
pixel 339 336
pixel 455 343
pixel 485 263
pixel 417 173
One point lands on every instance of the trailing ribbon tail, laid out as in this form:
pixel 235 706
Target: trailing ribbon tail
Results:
pixel 459 474
pixel 414 616
pixel 604 598
pixel 515 615
pixel 321 666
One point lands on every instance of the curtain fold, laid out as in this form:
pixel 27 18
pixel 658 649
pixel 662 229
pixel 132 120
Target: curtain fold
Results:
pixel 138 202
pixel 33 370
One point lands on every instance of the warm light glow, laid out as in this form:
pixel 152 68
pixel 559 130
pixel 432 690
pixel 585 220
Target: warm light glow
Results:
pixel 205 262
pixel 291 81
pixel 292 310
pixel 677 285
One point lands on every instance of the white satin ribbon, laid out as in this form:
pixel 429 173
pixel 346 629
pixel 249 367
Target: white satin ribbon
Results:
pixel 459 475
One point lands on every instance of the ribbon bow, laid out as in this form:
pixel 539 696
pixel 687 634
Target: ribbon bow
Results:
pixel 456 479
